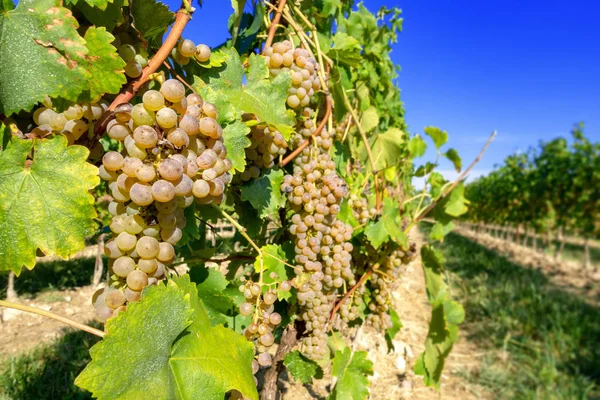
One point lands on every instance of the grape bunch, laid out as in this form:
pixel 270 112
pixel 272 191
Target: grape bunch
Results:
pixel 174 155
pixel 305 82
pixel 73 122
pixel 131 51
pixel 360 209
pixel 186 49
pixel 266 144
pixel 323 250
pixel 381 287
pixel 265 320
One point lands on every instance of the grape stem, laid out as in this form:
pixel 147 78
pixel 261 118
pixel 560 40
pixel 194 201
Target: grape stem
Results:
pixel 362 280
pixel 182 17
pixel 176 75
pixel 299 149
pixel 274 23
pixel 48 314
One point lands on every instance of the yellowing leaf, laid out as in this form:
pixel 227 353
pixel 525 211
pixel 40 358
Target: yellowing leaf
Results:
pixel 44 201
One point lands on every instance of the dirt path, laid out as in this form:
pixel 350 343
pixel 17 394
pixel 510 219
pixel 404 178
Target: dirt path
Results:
pixel 566 275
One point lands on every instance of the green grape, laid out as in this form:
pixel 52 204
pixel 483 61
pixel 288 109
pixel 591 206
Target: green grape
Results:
pixel 166 118
pixel 142 116
pixel 166 221
pixel 45 116
pixel 127 52
pixel 135 151
pixel 173 90
pixel 153 100
pixel 209 127
pixel 167 207
pixel 92 111
pixel 103 313
pixel 152 230
pixel 264 359
pixel 209 110
pixel 112 250
pixel 200 188
pixel 133 69
pixel 194 99
pixel 147 247
pixel 178 138
pixel 77 128
pixel 170 169
pixel 166 252
pixel 163 190
pixel 123 266
pixel 184 186
pixel 123 112
pixel 149 266
pixel 126 241
pixel 117 193
pixel 143 61
pixel 141 194
pixel 130 166
pixel 187 48
pixel 132 295
pixel 112 161
pixel 202 53
pixel 293 101
pixel 117 224
pixel 116 208
pixel 137 280
pixel 73 112
pixel 118 132
pixel 106 174
pixel 124 183
pixel 274 319
pixel 171 235
pixel 145 136
pixel 145 173
pixel 246 309
pixel 189 124
pixel 133 224
pixel 114 298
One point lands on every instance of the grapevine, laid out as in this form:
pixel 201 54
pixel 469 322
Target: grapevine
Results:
pixel 292 133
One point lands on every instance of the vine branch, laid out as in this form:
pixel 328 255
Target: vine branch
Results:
pixel 274 23
pixel 48 314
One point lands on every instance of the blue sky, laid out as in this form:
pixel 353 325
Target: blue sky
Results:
pixel 528 69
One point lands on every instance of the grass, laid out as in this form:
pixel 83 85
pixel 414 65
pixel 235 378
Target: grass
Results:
pixel 541 342
pixel 54 275
pixel 48 372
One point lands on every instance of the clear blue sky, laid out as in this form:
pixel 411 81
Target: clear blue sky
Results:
pixel 528 69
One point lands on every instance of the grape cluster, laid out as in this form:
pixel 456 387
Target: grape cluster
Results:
pixel 266 144
pixel 186 49
pixel 261 329
pixel 360 209
pixel 131 51
pixel 341 128
pixel 381 287
pixel 323 250
pixel 73 122
pixel 305 82
pixel 174 155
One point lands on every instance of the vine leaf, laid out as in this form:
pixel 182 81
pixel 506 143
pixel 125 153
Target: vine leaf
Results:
pixel 301 368
pixel 351 370
pixel 235 140
pixel 151 18
pixel 265 194
pixel 106 69
pixel 123 364
pixel 108 17
pixel 388 227
pixel 100 4
pixel 417 146
pixel 345 50
pixel 446 315
pixel 387 148
pixel 438 136
pixel 210 286
pixel 390 333
pixel 44 202
pixel 454 157
pixel 260 96
pixel 272 264
pixel 456 203
pixel 45 32
pixel 369 119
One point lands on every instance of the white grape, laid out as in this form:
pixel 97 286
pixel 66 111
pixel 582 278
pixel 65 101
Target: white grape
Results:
pixel 173 90
pixel 153 100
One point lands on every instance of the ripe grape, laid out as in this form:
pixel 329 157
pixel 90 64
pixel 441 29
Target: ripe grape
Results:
pixel 166 118
pixel 173 90
pixel 137 280
pixel 202 53
pixel 153 100
pixel 163 191
pixel 145 136
pixel 187 48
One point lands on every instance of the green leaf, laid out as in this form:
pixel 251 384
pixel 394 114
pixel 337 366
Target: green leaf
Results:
pixel 5 136
pixel 340 82
pixel 417 146
pixel 210 361
pixel 273 262
pixel 346 215
pixel 40 54
pixel 387 148
pixel 210 285
pixel 345 50
pixel 440 230
pixel 106 68
pixel 123 364
pixel 453 156
pixel 433 269
pixel 44 202
pixel 369 119
pixel 390 333
pixel 238 9
pixel 341 155
pixel 151 18
pixel 438 136
pixel 235 140
pixel 265 194
pixel 456 204
pixel 351 370
pixel 217 59
pixel 260 96
pixel 301 368
pixel 388 227
pixel 100 4
pixel 108 17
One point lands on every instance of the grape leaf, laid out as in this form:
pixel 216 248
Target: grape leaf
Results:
pixel 369 119
pixel 132 361
pixel 417 146
pixel 5 135
pixel 108 17
pixel 217 58
pixel 388 227
pixel 100 4
pixel 265 193
pixel 151 18
pixel 346 215
pixel 235 140
pixel 106 70
pixel 43 32
pixel 301 368
pixel 339 82
pixel 346 49
pixel 438 136
pixel 44 202
pixel 390 333
pixel 456 203
pixel 210 285
pixel 453 156
pixel 351 370
pixel 210 361
pixel 260 96
pixel 387 148
pixel 273 263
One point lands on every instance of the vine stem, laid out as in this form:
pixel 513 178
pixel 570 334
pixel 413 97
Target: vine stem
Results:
pixel 182 17
pixel 299 149
pixel 274 23
pixel 456 182
pixel 48 314
pixel 362 280
pixel 167 66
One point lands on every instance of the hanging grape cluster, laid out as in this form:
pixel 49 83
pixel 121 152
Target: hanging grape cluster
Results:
pixel 360 209
pixel 186 49
pixel 282 57
pixel 173 155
